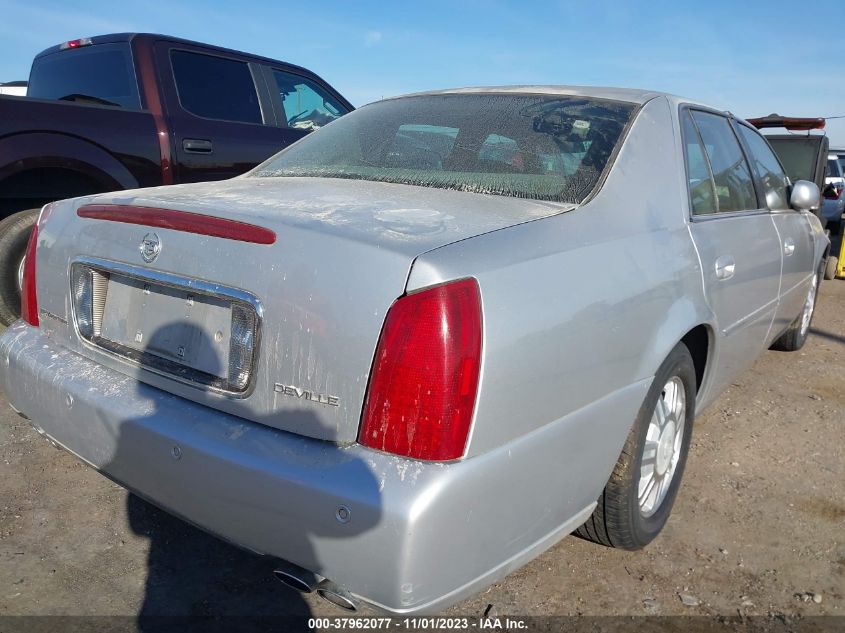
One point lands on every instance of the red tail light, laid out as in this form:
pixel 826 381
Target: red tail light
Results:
pixel 425 373
pixel 29 302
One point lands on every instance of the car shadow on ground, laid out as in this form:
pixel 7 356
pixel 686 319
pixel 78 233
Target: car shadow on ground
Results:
pixel 831 336
pixel 196 581
pixel 195 578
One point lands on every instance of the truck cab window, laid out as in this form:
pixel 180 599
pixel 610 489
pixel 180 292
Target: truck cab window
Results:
pixel 215 87
pixel 307 105
pixel 101 74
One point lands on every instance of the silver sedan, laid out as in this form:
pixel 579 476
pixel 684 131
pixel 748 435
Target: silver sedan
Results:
pixel 417 348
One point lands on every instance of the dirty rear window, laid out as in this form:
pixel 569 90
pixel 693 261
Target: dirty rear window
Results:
pixel 524 146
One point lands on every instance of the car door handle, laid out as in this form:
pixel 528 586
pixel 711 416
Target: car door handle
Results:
pixel 725 267
pixel 197 146
pixel 788 246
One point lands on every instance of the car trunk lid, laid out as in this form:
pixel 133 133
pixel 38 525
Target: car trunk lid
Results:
pixel 319 292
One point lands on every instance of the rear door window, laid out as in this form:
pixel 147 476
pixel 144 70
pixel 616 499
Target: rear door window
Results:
pixel 215 87
pixel 731 175
pixel 766 167
pixel 102 74
pixel 307 105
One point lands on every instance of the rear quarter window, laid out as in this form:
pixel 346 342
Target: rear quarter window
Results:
pixel 102 74
pixel 699 180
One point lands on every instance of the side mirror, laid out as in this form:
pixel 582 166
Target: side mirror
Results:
pixel 805 196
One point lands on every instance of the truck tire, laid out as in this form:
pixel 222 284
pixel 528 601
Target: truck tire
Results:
pixel 638 497
pixel 14 235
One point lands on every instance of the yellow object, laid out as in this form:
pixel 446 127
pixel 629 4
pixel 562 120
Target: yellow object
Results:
pixel 840 266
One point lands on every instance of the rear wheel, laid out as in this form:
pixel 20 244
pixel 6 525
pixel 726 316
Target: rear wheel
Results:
pixel 14 235
pixel 638 498
pixel 796 334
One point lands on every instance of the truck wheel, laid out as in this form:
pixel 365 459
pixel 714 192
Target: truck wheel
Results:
pixel 14 235
pixel 830 267
pixel 796 334
pixel 638 498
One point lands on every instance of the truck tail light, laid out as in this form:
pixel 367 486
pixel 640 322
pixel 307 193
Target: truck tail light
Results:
pixel 82 41
pixel 424 380
pixel 29 301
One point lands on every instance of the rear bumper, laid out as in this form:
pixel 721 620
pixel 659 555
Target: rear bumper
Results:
pixel 420 537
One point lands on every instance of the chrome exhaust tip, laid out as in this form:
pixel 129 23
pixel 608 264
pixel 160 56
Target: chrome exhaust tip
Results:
pixel 337 595
pixel 295 577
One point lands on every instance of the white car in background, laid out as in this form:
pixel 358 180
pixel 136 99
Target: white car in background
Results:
pixel 834 194
pixel 14 88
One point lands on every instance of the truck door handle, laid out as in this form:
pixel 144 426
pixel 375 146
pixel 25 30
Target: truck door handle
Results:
pixel 725 267
pixel 197 146
pixel 788 246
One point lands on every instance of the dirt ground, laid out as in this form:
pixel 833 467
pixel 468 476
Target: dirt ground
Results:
pixel 758 528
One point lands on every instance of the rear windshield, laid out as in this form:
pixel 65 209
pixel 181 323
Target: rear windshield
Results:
pixel 799 156
pixel 102 74
pixel 541 147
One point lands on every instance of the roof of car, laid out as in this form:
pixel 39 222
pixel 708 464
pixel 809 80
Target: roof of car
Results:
pixel 632 95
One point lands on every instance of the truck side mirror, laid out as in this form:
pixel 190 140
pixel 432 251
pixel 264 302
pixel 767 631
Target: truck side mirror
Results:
pixel 805 196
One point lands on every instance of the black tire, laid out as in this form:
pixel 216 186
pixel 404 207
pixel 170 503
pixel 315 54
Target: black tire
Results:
pixel 14 235
pixel 618 520
pixel 830 267
pixel 835 226
pixel 793 338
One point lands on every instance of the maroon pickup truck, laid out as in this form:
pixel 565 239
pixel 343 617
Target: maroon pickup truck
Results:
pixel 136 110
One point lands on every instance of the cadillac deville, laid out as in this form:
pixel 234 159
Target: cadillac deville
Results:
pixel 418 347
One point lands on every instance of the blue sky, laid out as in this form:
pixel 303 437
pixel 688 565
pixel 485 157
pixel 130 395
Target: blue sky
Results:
pixel 752 58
